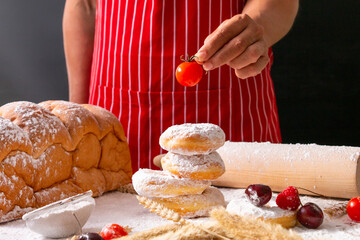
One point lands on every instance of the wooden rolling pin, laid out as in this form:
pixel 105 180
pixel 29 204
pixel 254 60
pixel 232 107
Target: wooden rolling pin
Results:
pixel 328 170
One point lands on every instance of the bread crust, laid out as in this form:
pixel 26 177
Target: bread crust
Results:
pixel 56 149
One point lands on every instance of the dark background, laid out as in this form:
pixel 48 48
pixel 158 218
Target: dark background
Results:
pixel 316 68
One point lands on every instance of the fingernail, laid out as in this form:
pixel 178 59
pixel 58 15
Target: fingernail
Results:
pixel 207 66
pixel 201 56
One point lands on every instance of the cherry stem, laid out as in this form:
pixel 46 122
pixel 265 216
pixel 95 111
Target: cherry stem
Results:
pixel 318 194
pixel 192 58
pixel 187 58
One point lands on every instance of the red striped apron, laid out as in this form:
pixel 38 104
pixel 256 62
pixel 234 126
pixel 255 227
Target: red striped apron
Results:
pixel 137 48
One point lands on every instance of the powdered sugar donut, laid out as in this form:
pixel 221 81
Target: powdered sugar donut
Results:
pixel 192 138
pixel 204 166
pixel 270 214
pixel 155 183
pixel 189 206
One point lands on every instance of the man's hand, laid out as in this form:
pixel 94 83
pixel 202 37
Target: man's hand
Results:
pixel 238 42
pixel 242 42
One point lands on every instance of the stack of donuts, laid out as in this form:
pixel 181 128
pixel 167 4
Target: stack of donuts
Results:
pixel 191 163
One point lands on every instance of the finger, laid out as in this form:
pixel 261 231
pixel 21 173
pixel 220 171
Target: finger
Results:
pixel 253 33
pixel 208 37
pixel 211 34
pixel 157 160
pixel 222 35
pixel 252 69
pixel 200 55
pixel 249 56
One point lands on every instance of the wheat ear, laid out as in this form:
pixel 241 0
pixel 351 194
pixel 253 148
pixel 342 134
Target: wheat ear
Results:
pixel 128 188
pixel 156 232
pixel 241 227
pixel 337 210
pixel 160 210
pixel 171 215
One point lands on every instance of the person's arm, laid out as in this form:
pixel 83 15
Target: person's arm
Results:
pixel 276 16
pixel 242 42
pixel 78 34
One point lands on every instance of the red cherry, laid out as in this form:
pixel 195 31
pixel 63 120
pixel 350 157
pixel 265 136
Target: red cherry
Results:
pixel 353 209
pixel 310 215
pixel 111 231
pixel 90 236
pixel 258 194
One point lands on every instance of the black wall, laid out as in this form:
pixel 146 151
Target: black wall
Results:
pixel 316 74
pixel 316 68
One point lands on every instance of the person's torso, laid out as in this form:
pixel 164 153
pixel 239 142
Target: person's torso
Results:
pixel 138 45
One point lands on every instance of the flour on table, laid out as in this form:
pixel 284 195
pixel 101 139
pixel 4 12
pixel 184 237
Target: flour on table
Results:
pixel 124 209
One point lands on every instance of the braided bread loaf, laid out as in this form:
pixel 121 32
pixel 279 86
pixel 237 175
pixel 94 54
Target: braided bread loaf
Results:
pixel 57 149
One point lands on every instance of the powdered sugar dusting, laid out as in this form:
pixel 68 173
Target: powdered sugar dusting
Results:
pixel 203 130
pixel 149 182
pixel 243 207
pixel 40 124
pixel 11 134
pixel 36 150
pixel 66 209
pixel 75 117
pixel 355 156
pixel 21 160
pixel 253 196
pixel 15 213
pixel 195 163
pixel 326 167
pixel 288 152
pixel 73 111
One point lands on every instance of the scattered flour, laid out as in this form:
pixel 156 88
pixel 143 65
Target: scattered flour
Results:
pixel 124 209
pixel 55 212
pixel 243 207
pixel 9 132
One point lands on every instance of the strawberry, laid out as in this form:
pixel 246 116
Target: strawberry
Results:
pixel 288 199
pixel 111 231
